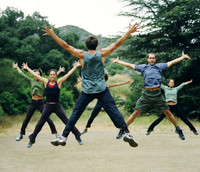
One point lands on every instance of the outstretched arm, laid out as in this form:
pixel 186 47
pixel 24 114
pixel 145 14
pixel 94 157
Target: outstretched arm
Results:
pixel 183 84
pixel 61 69
pixel 188 82
pixel 15 66
pixel 25 66
pixel 123 63
pixel 184 56
pixel 118 84
pixel 61 80
pixel 108 50
pixel 75 52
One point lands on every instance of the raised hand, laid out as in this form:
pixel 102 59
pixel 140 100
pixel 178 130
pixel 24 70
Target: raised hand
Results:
pixel 24 65
pixel 189 82
pixel 134 28
pixel 77 63
pixel 61 69
pixel 115 60
pixel 186 56
pixel 48 31
pixel 15 65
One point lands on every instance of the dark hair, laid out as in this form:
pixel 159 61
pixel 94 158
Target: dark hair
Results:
pixel 151 53
pixel 170 80
pixel 106 76
pixel 38 70
pixel 91 42
pixel 54 70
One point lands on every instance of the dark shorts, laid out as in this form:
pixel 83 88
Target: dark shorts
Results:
pixel 151 99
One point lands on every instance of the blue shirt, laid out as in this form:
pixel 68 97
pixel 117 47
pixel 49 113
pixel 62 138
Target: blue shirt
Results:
pixel 93 73
pixel 151 74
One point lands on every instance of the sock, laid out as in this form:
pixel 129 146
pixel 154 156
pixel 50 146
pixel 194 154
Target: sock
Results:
pixel 178 128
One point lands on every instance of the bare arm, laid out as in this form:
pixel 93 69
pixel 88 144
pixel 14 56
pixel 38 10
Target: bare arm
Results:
pixel 25 66
pixel 108 50
pixel 61 80
pixel 15 66
pixel 75 52
pixel 184 56
pixel 188 82
pixel 61 69
pixel 123 63
pixel 118 84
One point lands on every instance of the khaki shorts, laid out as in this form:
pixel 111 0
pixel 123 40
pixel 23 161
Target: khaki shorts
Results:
pixel 151 99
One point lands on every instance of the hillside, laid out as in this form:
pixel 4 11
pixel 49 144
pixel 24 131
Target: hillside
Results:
pixel 103 41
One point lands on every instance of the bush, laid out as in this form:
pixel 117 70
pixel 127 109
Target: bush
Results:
pixel 66 98
pixel 8 103
pixel 1 113
pixel 115 69
pixel 15 103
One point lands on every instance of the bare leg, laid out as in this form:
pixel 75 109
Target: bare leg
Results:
pixel 173 120
pixel 133 116
pixel 171 117
pixel 129 121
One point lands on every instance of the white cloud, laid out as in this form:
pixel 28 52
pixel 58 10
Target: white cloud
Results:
pixel 95 16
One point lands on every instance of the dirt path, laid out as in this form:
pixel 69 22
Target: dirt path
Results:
pixel 162 151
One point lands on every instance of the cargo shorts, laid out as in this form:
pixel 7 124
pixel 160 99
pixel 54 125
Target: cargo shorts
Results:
pixel 151 99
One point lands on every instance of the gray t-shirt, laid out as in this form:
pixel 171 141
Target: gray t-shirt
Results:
pixel 151 74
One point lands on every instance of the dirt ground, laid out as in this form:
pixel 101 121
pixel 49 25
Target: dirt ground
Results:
pixel 162 151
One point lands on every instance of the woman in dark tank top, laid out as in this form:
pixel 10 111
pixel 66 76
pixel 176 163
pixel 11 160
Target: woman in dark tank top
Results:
pixel 52 88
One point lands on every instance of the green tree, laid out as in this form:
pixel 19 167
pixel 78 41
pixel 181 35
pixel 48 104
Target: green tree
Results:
pixel 21 40
pixel 169 27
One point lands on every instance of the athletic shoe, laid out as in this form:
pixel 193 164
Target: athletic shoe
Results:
pixel 195 132
pixel 61 141
pixel 30 144
pixel 84 131
pixel 79 141
pixel 129 138
pixel 180 133
pixel 149 132
pixel 19 137
pixel 120 134
pixel 55 142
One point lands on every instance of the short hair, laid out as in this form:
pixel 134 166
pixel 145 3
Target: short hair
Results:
pixel 151 53
pixel 91 42
pixel 54 70
pixel 106 76
pixel 38 70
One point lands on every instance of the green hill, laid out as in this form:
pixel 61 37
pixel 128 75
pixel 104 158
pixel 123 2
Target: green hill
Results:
pixel 103 41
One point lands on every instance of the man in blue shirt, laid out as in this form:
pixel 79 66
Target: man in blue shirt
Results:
pixel 152 94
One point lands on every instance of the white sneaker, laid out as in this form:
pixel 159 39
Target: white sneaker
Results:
pixel 60 141
pixel 129 138
pixel 55 142
pixel 84 131
pixel 19 137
